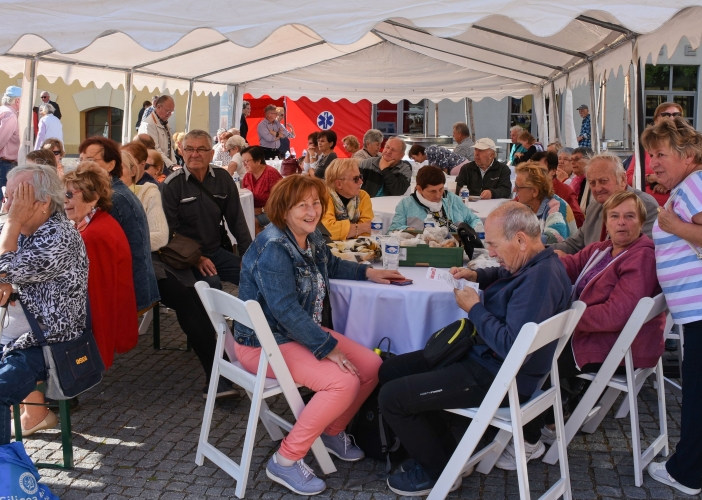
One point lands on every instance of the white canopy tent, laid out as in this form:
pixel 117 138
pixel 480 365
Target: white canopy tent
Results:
pixel 395 49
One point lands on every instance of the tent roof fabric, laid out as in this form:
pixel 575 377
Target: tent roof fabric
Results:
pixel 361 49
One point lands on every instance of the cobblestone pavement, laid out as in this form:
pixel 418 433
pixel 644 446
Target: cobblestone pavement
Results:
pixel 135 436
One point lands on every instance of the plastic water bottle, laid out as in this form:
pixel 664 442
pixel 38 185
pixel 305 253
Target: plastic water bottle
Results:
pixel 287 155
pixel 276 163
pixel 391 253
pixel 480 229
pixel 429 221
pixel 465 194
pixel 236 180
pixel 377 226
pixel 292 152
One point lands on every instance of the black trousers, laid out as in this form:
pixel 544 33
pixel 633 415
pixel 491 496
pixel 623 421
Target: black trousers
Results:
pixel 412 399
pixel 686 463
pixel 192 318
pixel 228 268
pixel 270 153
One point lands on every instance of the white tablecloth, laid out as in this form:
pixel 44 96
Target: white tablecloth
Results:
pixel 366 312
pixel 247 205
pixel 385 207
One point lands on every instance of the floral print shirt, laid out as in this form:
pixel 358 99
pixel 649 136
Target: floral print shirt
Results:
pixel 321 291
pixel 50 270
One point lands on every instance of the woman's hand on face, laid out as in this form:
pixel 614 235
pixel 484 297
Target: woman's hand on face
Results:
pixel 383 276
pixel 462 272
pixel 24 204
pixel 342 361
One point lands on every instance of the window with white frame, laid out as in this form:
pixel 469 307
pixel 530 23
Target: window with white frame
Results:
pixel 669 83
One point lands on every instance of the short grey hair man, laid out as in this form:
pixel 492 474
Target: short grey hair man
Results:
pixel 461 128
pixel 195 134
pixel 516 217
pixel 46 183
pixel 612 161
pixel 395 138
pixel 461 134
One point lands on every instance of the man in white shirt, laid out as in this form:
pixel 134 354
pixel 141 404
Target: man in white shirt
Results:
pixel 156 126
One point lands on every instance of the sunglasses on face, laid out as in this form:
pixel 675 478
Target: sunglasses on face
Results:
pixel 69 194
pixel 671 115
pixel 355 179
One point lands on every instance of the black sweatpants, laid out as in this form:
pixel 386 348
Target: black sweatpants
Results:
pixel 192 318
pixel 412 399
pixel 686 463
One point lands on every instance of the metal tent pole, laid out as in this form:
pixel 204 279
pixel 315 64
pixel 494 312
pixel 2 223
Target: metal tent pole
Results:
pixel 26 115
pixel 189 106
pixel 556 114
pixel 593 109
pixel 127 115
pixel 471 120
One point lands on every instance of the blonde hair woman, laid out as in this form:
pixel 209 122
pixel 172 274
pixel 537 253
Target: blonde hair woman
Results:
pixel 349 210
pixel 150 199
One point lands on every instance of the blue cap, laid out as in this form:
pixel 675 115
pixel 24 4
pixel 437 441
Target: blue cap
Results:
pixel 13 91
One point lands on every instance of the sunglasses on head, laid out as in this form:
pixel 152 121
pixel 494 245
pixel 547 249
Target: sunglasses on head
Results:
pixel 671 115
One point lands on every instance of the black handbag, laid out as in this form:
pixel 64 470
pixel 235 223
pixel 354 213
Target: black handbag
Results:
pixel 181 252
pixel 73 366
pixel 469 238
pixel 450 344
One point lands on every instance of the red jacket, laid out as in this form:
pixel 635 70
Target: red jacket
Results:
pixel 611 297
pixel 565 192
pixel 110 287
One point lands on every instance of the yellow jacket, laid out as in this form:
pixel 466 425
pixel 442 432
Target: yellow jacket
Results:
pixel 340 228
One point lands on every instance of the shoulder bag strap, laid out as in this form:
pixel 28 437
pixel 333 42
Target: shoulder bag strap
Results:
pixel 34 325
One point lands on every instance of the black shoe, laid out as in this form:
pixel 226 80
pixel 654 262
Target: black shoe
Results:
pixel 415 482
pixel 224 389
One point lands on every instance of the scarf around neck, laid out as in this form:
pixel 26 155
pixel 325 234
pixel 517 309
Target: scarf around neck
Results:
pixel 348 212
pixel 168 132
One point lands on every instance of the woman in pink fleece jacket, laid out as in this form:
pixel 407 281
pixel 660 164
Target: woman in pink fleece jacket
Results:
pixel 611 277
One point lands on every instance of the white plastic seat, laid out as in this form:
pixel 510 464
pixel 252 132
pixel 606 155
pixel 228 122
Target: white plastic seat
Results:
pixel 510 420
pixel 219 304
pixel 589 412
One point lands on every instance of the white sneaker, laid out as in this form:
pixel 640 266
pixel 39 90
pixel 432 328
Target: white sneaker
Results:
pixel 548 436
pixel 507 460
pixel 658 472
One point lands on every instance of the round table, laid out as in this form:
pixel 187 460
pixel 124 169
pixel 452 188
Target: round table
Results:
pixel 384 206
pixel 366 312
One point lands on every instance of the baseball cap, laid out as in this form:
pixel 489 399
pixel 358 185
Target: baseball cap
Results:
pixel 582 106
pixel 485 143
pixel 13 91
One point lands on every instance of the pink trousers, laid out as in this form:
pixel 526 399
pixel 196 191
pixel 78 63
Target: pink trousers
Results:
pixel 338 395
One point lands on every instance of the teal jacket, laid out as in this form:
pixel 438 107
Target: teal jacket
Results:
pixel 454 208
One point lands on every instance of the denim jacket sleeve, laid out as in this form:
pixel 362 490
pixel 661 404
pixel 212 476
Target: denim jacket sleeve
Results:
pixel 275 277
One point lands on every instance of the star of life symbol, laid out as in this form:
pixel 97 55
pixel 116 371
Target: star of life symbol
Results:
pixel 28 483
pixel 325 120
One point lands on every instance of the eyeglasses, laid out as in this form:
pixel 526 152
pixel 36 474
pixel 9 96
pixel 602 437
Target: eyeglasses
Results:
pixel 355 179
pixel 57 153
pixel 521 187
pixel 90 158
pixel 168 113
pixel 45 97
pixel 200 151
pixel 671 115
pixel 148 165
pixel 69 194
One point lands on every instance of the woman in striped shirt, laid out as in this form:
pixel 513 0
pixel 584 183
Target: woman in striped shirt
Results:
pixel 676 158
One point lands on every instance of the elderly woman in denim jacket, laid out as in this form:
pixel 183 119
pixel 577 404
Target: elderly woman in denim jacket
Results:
pixel 287 270
pixel 44 257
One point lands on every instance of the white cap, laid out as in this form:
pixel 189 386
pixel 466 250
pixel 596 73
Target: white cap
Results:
pixel 485 143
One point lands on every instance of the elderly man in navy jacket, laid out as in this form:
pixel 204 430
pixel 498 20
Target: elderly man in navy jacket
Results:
pixel 531 283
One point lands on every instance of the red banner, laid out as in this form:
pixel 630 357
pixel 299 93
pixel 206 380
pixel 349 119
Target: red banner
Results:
pixel 343 117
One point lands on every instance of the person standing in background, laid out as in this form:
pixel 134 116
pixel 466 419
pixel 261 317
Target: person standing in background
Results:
pixel 46 99
pixel 243 125
pixel 585 137
pixel 9 131
pixel 144 106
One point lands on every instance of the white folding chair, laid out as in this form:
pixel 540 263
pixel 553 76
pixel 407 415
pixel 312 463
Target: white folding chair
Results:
pixel 675 333
pixel 219 304
pixel 589 413
pixel 510 420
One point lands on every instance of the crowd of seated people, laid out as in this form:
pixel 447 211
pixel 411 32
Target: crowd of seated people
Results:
pixel 576 231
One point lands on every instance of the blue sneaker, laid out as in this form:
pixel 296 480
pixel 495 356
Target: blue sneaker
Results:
pixel 342 447
pixel 415 482
pixel 298 477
